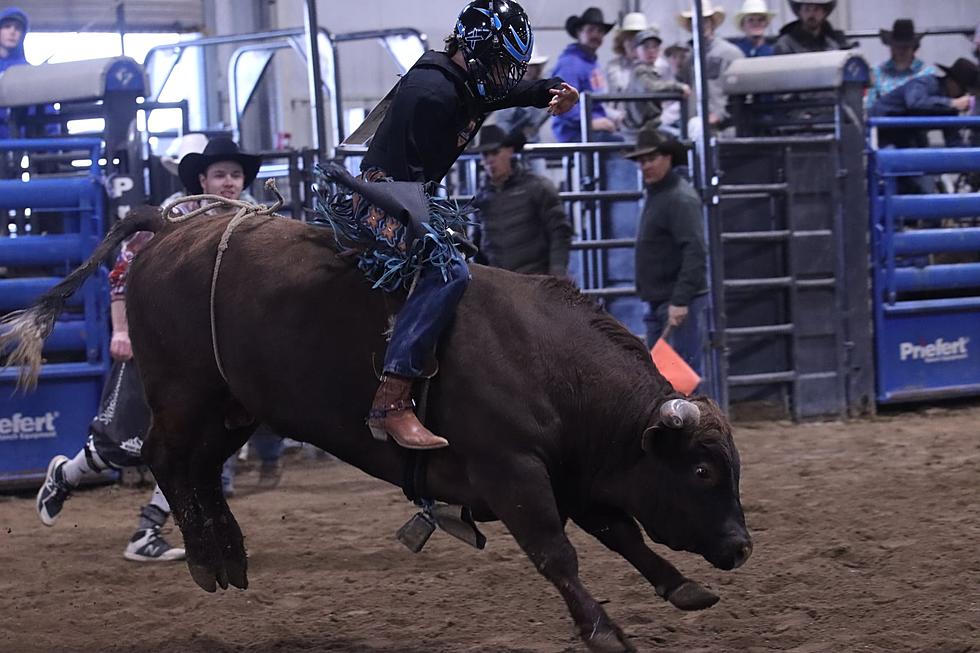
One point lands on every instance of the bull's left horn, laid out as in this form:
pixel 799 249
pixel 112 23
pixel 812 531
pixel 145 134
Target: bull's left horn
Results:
pixel 679 414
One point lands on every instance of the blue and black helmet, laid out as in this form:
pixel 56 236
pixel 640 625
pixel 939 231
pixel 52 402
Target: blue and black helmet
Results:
pixel 496 39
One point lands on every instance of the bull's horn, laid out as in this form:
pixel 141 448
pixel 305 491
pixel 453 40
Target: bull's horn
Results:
pixel 679 414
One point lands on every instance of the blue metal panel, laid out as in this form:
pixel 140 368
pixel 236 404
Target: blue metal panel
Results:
pixel 924 122
pixel 52 420
pixel 928 160
pixel 18 293
pixel 932 277
pixel 925 241
pixel 39 251
pixel 933 207
pixel 946 304
pixel 934 353
pixel 65 193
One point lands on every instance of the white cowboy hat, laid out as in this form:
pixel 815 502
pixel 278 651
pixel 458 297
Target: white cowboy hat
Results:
pixel 181 147
pixel 716 14
pixel 635 21
pixel 753 7
pixel 537 59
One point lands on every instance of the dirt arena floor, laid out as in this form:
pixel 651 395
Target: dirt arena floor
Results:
pixel 867 538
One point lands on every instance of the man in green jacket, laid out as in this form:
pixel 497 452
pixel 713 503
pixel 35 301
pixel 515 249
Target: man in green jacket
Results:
pixel 671 260
pixel 523 226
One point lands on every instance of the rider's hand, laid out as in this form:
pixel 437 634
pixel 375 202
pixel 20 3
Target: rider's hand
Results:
pixel 562 99
pixel 120 348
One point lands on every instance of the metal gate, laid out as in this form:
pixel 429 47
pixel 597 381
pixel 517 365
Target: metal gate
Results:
pixel 70 209
pixel 926 269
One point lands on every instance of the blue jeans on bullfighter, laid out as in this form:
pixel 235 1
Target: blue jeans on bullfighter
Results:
pixel 426 315
pixel 690 338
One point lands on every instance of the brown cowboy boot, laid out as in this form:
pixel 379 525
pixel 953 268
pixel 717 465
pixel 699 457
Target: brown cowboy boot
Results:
pixel 392 414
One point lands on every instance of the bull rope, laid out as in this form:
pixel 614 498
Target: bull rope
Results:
pixel 245 210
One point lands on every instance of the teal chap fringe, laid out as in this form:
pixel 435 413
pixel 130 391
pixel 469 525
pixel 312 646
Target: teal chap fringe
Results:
pixel 387 266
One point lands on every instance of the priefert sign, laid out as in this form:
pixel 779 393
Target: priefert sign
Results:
pixel 939 351
pixel 28 427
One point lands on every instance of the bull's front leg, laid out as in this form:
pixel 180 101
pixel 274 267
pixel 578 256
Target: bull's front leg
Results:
pixel 524 502
pixel 619 532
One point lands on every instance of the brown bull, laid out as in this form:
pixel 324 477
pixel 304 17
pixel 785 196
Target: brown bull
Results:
pixel 553 410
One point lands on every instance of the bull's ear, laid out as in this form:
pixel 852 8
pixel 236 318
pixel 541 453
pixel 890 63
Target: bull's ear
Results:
pixel 646 440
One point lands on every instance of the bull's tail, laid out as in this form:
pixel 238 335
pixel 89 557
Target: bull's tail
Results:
pixel 29 327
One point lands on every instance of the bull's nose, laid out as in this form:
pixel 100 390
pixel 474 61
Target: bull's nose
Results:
pixel 743 553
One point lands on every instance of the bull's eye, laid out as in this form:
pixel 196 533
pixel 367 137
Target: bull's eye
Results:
pixel 703 472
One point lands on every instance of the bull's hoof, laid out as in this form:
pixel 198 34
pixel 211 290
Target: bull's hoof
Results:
pixel 607 637
pixel 203 576
pixel 692 596
pixel 237 575
pixel 612 642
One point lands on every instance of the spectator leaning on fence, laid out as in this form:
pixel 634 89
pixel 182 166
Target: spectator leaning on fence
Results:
pixel 929 95
pixel 753 19
pixel 903 65
pixel 718 56
pixel 671 256
pixel 646 79
pixel 811 32
pixel 578 64
pixel 523 226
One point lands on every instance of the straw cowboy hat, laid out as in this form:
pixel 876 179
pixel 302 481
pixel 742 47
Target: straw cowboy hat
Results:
pixel 537 59
pixel 635 21
pixel 181 147
pixel 901 33
pixel 753 8
pixel 715 14
pixel 218 149
pixel 591 16
pixel 650 140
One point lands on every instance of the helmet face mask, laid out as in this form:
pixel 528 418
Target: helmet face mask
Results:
pixel 496 40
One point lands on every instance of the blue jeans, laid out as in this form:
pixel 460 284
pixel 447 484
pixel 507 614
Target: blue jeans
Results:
pixel 426 315
pixel 690 338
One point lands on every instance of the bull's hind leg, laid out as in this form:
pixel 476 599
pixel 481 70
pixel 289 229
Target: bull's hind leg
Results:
pixel 526 504
pixel 621 534
pixel 185 448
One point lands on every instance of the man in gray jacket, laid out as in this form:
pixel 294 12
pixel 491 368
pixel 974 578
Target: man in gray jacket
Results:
pixel 523 226
pixel 671 258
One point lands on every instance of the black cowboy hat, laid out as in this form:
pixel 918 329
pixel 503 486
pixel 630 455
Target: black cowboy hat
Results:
pixel 964 72
pixel 218 149
pixel 493 137
pixel 902 33
pixel 828 4
pixel 591 16
pixel 650 140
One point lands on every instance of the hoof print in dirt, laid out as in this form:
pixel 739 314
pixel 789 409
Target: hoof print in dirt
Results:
pixel 692 596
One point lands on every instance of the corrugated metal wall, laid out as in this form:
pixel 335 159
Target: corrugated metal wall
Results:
pixel 100 15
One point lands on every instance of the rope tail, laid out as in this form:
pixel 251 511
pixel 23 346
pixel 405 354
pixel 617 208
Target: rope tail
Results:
pixel 29 327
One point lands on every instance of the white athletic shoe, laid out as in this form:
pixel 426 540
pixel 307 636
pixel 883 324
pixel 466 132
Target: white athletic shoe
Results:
pixel 149 546
pixel 53 494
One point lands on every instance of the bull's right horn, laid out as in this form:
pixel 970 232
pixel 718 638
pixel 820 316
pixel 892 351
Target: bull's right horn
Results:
pixel 679 414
